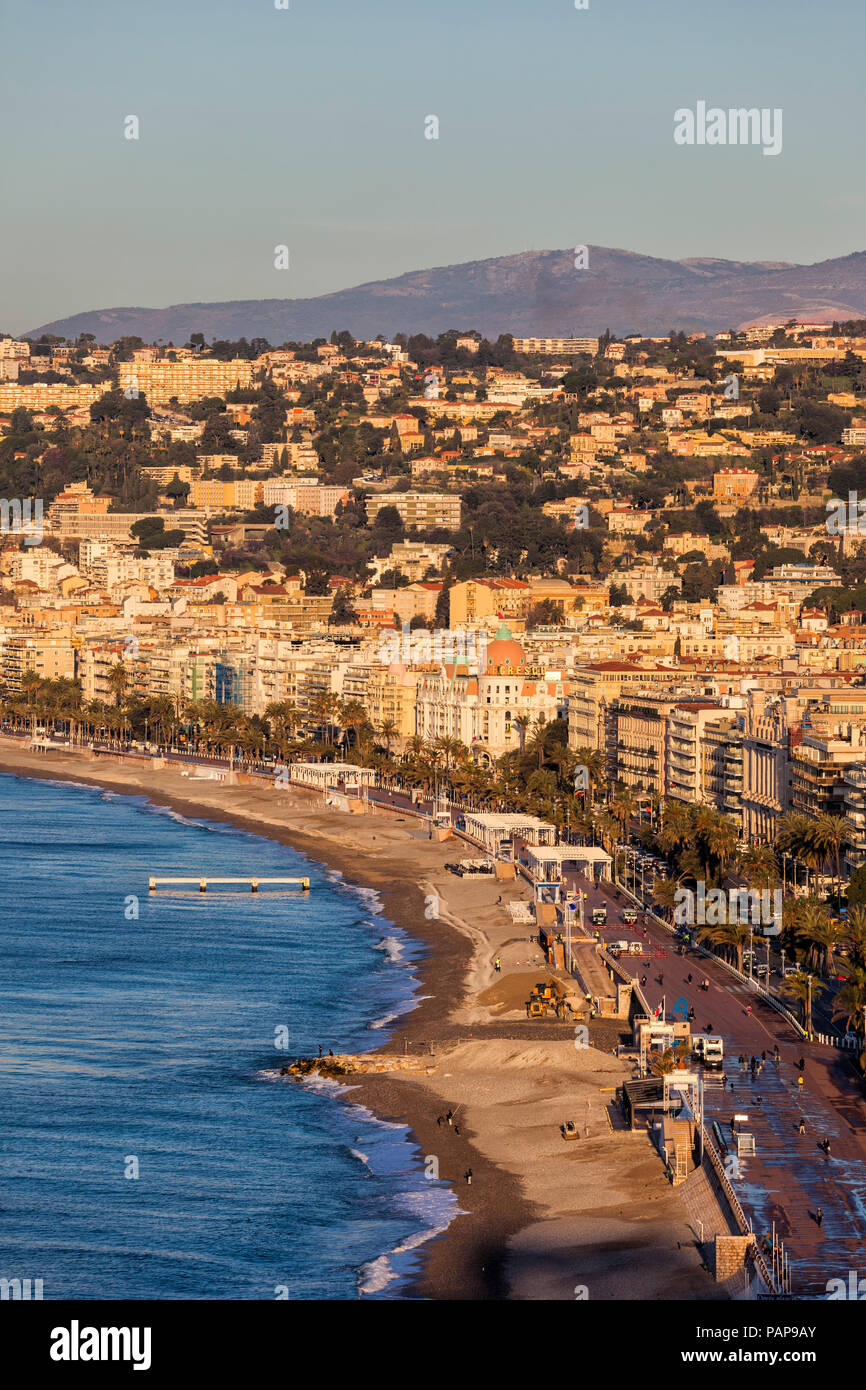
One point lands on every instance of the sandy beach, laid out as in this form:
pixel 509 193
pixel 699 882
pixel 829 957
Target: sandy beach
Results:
pixel 541 1218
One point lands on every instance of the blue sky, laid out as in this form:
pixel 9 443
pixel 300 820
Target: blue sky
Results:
pixel 305 127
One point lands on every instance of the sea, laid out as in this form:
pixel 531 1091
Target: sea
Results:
pixel 150 1147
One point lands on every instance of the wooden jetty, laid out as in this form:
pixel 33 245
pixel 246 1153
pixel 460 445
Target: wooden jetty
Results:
pixel 154 883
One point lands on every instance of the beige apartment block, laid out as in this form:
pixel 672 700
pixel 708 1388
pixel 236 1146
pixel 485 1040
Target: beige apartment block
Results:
pixel 421 510
pixel 189 380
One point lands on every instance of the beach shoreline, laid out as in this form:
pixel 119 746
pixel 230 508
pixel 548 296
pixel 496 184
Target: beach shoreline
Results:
pixel 498 1072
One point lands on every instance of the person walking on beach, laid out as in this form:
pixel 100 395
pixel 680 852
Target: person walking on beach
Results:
pixel 497 965
pixel 450 1117
pixel 438 1121
pixel 468 1176
pixel 320 1049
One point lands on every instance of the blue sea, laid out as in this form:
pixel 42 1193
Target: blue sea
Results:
pixel 150 1148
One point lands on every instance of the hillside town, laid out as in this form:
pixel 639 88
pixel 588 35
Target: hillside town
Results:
pixel 499 561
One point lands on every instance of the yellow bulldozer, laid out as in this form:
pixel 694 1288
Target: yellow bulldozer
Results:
pixel 545 1000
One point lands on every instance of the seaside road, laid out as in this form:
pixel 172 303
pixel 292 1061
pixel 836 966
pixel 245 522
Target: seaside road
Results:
pixel 789 1176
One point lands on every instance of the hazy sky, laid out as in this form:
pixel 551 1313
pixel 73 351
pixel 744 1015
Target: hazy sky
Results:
pixel 305 127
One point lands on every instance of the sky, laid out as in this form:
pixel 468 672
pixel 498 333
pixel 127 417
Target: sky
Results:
pixel 305 127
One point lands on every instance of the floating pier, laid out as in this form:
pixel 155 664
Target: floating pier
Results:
pixel 154 883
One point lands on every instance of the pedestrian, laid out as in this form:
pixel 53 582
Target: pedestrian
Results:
pixel 456 1129
pixel 661 979
pixel 819 1217
pixel 763 1058
pixel 776 1057
pixel 758 1100
pixel 688 979
pixel 825 1145
pixel 802 1064
pixel 450 1117
pixel 468 1177
pixel 438 1121
pixel 320 1049
pixel 497 965
pixel 643 979
pixel 799 1083
pixel 499 900
pixel 802 1125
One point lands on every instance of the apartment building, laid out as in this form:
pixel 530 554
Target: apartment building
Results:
pixel 646 581
pixel 722 764
pixel 239 494
pixel 592 688
pixel 38 397
pixel 412 601
pixel 818 764
pixel 636 740
pixel 188 380
pixel 685 761
pixel 419 510
pixel 412 559
pixel 51 654
pixel 769 721
pixel 556 347
pixel 473 600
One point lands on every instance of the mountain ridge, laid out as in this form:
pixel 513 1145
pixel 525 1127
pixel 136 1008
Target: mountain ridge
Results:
pixel 530 293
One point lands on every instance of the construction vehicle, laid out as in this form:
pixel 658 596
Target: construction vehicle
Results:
pixel 546 999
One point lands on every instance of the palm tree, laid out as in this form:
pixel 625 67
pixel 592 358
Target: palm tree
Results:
pixel 663 1063
pixel 665 891
pixel 758 865
pixel 539 744
pixel 353 716
pixel 521 723
pixel 117 682
pixel 830 834
pixel 731 936
pixel 850 1002
pixel 855 935
pixel 817 932
pixel 801 988
pixel 796 836
pixel 388 731
pixel 622 807
pixel 721 837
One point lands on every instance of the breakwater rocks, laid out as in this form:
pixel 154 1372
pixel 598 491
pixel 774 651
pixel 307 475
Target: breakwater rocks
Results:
pixel 357 1064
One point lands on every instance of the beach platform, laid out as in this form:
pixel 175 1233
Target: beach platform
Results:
pixel 203 883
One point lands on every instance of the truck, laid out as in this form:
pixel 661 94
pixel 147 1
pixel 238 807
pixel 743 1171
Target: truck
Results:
pixel 629 916
pixel 599 916
pixel 710 1050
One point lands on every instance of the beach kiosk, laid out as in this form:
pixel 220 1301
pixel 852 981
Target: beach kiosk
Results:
pixel 547 863
pixel 508 836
